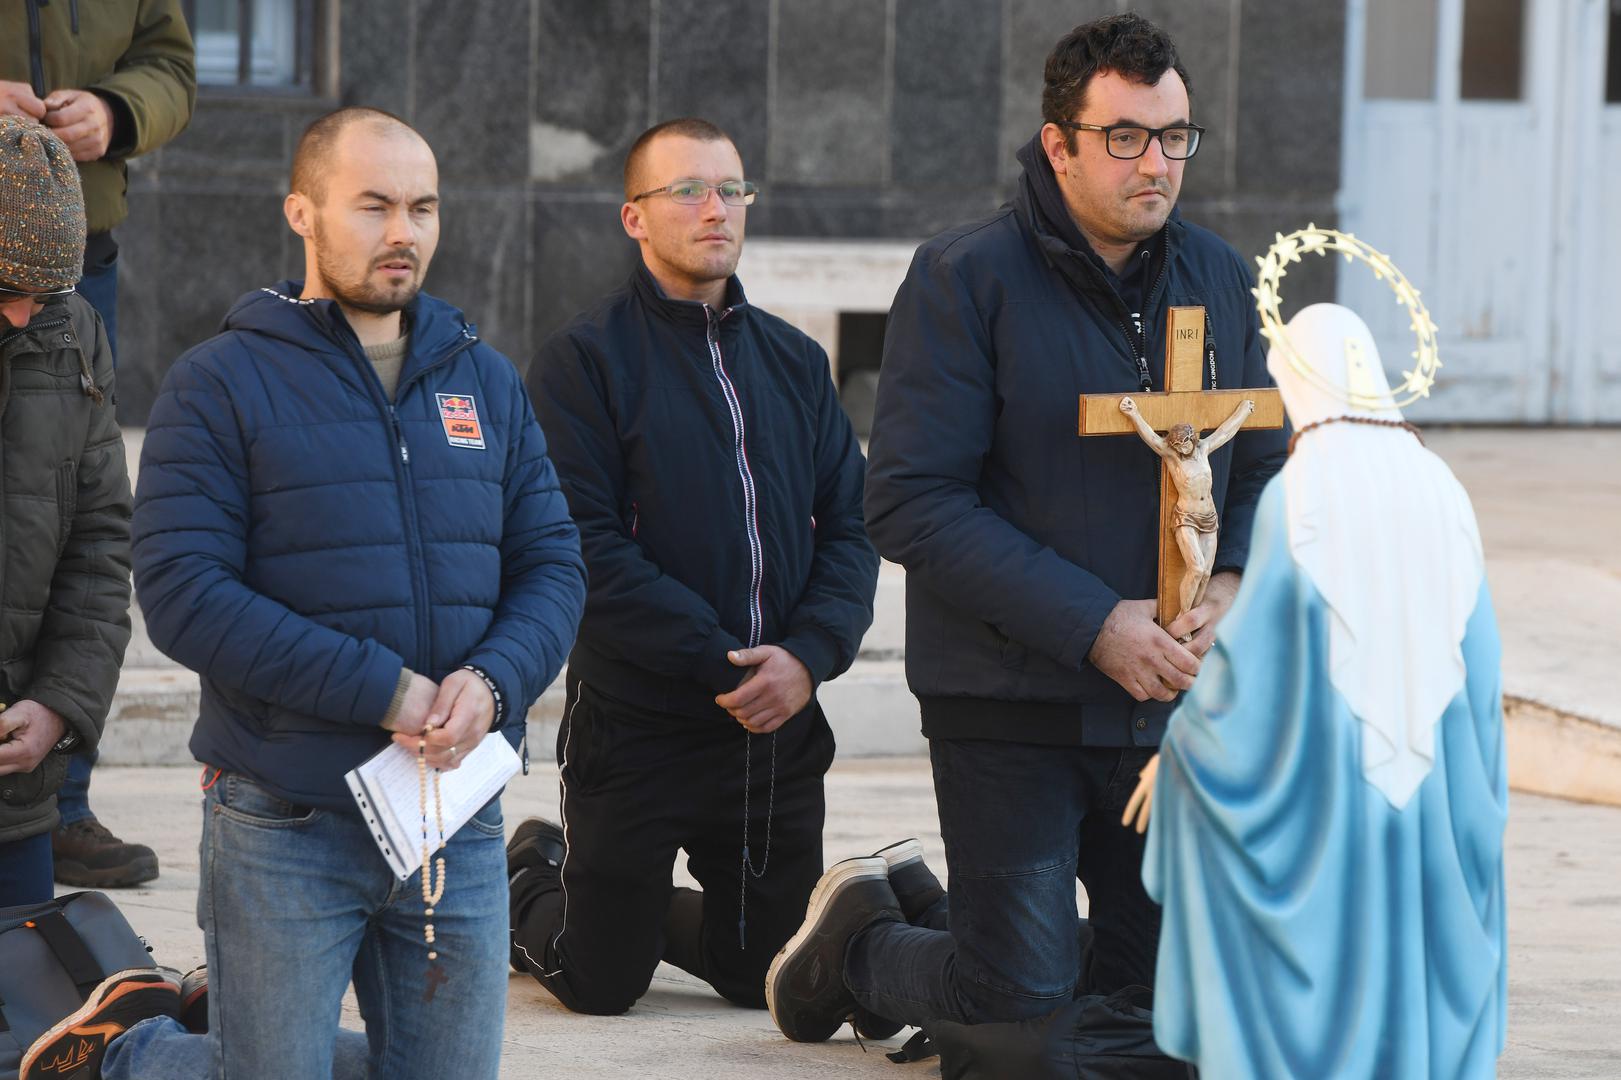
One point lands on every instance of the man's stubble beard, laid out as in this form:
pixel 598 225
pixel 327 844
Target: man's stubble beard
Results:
pixel 362 296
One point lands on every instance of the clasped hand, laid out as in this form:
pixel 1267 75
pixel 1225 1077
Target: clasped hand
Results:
pixel 452 717
pixel 1151 662
pixel 775 688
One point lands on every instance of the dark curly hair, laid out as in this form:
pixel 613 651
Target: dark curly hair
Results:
pixel 1126 44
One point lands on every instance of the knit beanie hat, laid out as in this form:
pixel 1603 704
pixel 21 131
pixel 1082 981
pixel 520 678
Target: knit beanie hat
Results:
pixel 41 209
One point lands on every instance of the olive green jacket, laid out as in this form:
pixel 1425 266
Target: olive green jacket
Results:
pixel 137 54
pixel 64 539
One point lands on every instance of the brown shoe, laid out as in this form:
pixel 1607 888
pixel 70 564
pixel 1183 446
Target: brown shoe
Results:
pixel 194 1000
pixel 89 856
pixel 73 1049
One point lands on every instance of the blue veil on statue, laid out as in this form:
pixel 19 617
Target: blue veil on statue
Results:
pixel 1327 818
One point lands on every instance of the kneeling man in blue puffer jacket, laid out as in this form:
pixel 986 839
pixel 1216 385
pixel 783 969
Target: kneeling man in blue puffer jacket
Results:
pixel 348 524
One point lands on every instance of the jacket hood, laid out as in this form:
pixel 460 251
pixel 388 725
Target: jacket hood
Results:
pixel 319 326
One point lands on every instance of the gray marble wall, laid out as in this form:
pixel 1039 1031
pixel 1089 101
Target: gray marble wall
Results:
pixel 861 118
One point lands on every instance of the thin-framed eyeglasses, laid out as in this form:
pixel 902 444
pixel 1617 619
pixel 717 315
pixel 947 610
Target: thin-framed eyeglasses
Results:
pixel 8 295
pixel 1130 141
pixel 694 192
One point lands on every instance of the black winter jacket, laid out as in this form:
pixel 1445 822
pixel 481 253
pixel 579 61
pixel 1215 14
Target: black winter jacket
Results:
pixel 1019 537
pixel 716 483
pixel 64 540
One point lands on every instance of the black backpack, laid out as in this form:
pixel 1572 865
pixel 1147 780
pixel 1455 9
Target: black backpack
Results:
pixel 52 955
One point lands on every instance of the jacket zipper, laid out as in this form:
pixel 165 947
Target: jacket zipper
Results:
pixel 751 520
pixel 36 61
pixel 413 537
pixel 1139 342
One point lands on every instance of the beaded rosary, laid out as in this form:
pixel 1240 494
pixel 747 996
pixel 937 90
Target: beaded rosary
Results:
pixel 1370 420
pixel 431 893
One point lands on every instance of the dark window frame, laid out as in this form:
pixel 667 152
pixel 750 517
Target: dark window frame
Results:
pixel 314 34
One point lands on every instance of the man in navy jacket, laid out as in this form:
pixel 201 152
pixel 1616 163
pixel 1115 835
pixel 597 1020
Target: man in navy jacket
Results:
pixel 1031 555
pixel 717 486
pixel 347 523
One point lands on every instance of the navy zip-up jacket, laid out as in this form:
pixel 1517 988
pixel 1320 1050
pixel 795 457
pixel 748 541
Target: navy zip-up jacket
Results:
pixel 298 539
pixel 1019 537
pixel 717 486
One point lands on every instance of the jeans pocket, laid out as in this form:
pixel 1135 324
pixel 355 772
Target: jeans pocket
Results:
pixel 489 820
pixel 242 800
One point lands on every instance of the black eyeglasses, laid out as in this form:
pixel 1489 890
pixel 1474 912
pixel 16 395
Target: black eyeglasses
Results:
pixel 1130 141
pixel 9 295
pixel 693 192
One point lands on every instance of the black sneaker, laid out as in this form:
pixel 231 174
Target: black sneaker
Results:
pixel 804 988
pixel 914 883
pixel 917 889
pixel 73 1049
pixel 534 862
pixel 194 1000
pixel 89 856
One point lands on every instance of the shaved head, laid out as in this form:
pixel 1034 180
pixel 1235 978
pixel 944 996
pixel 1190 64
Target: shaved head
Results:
pixel 691 127
pixel 312 161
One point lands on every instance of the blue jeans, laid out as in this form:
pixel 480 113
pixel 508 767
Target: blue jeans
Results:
pixel 100 288
pixel 25 871
pixel 1020 823
pixel 294 903
pixel 73 798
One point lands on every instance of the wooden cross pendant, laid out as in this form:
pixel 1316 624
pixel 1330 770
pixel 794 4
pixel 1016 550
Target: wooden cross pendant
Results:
pixel 1184 401
pixel 436 979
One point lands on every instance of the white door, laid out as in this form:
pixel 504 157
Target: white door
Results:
pixel 1465 123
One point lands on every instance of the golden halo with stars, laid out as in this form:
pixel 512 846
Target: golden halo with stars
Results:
pixel 1274 266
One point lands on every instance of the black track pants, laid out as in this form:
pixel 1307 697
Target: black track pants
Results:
pixel 637 786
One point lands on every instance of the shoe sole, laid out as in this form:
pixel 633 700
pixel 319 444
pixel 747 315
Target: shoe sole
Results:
pixel 121 1000
pixel 899 854
pixel 839 875
pixel 136 872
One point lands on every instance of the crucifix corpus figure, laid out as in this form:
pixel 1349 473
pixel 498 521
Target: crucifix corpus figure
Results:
pixel 1194 521
pixel 1187 406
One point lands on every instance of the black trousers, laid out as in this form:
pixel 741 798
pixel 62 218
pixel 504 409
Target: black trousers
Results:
pixel 637 786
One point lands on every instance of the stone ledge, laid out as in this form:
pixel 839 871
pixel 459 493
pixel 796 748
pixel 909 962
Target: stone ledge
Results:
pixel 1555 753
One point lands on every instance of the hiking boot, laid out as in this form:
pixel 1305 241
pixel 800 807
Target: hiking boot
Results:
pixel 89 856
pixel 73 1049
pixel 534 861
pixel 194 1000
pixel 917 889
pixel 804 988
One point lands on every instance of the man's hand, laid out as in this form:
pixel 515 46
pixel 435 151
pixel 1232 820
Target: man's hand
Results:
pixel 1132 650
pixel 28 730
pixel 17 99
pixel 776 688
pixel 457 722
pixel 82 120
pixel 420 694
pixel 1201 621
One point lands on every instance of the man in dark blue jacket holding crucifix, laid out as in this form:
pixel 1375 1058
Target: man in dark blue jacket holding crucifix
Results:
pixel 717 486
pixel 1031 556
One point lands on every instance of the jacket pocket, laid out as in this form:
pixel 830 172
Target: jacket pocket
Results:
pixel 67 502
pixel 33 788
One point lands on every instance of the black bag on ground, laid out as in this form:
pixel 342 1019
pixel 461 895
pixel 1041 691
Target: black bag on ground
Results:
pixel 52 955
pixel 1092 1038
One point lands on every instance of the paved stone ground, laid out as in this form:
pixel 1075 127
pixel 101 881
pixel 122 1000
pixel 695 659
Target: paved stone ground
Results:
pixel 1564 933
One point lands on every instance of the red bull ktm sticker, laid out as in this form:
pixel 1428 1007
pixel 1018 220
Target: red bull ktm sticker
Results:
pixel 460 416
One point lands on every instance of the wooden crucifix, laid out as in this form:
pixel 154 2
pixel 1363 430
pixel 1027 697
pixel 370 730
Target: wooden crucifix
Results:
pixel 1187 519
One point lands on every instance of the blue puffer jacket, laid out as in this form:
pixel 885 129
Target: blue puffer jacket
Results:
pixel 298 539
